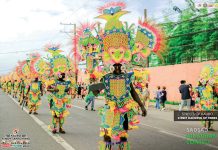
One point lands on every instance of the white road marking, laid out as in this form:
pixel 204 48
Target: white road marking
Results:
pixel 56 137
pixel 150 126
pixel 173 134
pixel 78 107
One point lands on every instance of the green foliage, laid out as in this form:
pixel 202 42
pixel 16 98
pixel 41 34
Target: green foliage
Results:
pixel 184 47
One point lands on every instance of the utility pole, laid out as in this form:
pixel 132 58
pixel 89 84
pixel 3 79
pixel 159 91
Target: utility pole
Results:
pixel 145 19
pixel 99 26
pixel 69 33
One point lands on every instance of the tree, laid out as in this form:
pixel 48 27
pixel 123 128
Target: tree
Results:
pixel 188 42
pixel 212 45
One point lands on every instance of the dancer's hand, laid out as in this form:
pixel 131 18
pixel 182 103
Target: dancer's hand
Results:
pixel 144 111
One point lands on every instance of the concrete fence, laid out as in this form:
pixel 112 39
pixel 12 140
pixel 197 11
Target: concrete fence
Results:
pixel 170 76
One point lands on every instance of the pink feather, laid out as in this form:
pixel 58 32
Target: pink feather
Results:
pixel 50 45
pixel 111 4
pixel 155 31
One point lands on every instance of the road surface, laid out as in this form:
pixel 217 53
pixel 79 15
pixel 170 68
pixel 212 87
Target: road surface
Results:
pixel 157 131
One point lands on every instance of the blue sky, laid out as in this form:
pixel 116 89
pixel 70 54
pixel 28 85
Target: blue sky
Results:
pixel 27 25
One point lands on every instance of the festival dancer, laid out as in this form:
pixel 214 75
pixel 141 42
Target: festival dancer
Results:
pixel 21 91
pixel 208 81
pixel 35 88
pixel 59 97
pixel 88 46
pixel 15 88
pixel 9 87
pixel 23 70
pixel 3 83
pixel 58 102
pixel 24 88
pixel 121 108
pixel 34 93
pixel 120 113
pixel 71 77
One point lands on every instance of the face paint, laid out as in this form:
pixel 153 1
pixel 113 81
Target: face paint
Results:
pixel 117 54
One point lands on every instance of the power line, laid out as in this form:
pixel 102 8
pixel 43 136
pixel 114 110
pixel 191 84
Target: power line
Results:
pixel 169 14
pixel 188 20
pixel 201 31
pixel 199 25
pixel 193 19
pixel 75 11
pixel 20 51
pixel 6 70
pixel 191 44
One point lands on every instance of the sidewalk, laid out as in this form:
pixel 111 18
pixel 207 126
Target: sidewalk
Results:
pixel 167 106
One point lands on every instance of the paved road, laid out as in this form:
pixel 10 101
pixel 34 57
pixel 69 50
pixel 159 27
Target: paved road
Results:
pixel 156 131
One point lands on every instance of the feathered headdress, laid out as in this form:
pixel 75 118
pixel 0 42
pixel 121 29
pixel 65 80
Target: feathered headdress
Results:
pixel 53 49
pixel 85 30
pixel 115 40
pixel 111 7
pixel 85 38
pixel 38 66
pixel 58 62
pixel 25 68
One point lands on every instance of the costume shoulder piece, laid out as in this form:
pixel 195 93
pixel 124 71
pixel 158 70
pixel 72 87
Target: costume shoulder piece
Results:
pixel 149 38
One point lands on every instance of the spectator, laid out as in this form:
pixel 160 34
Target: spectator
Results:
pixel 90 99
pixel 84 92
pixel 185 95
pixel 146 95
pixel 158 96
pixel 79 88
pixel 163 97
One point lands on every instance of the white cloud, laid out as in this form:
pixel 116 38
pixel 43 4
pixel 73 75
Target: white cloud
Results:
pixel 30 24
